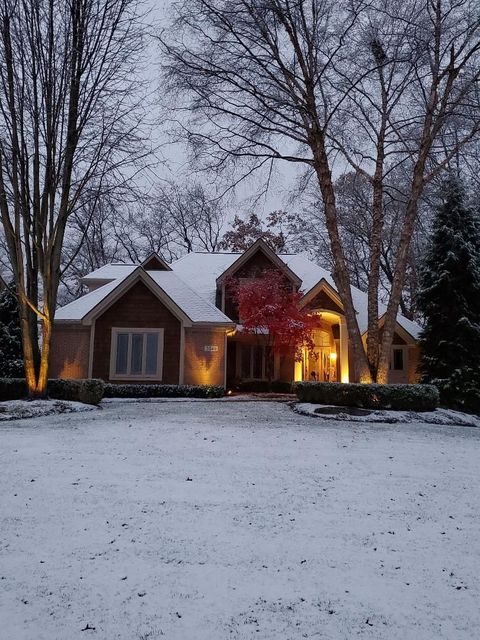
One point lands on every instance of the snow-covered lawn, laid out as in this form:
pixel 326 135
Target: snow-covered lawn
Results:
pixel 17 409
pixel 216 520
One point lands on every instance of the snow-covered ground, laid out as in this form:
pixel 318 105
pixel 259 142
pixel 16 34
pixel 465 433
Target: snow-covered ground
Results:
pixel 216 520
pixel 17 409
pixel 446 417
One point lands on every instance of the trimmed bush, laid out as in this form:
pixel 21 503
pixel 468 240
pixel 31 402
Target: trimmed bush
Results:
pixel 60 389
pixel 397 397
pixel 89 391
pixel 162 391
pixel 263 386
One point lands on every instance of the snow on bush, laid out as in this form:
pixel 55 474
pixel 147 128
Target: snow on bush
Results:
pixel 163 391
pixel 399 397
pixel 89 391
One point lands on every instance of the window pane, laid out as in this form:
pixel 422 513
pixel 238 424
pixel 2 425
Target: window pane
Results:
pixel 257 362
pixel 152 351
pixel 122 353
pixel 137 354
pixel 245 355
pixel 398 359
pixel 269 362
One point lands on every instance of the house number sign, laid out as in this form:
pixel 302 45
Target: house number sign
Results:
pixel 210 347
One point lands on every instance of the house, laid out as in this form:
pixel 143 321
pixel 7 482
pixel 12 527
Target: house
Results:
pixel 177 324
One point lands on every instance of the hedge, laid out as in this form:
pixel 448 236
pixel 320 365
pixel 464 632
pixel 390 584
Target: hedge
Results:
pixel 89 391
pixel 263 386
pixel 162 391
pixel 398 397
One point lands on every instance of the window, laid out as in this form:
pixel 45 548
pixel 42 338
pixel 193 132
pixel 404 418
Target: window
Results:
pixel 136 353
pixel 396 362
pixel 253 362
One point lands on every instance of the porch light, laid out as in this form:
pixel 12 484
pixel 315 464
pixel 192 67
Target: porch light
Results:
pixel 333 356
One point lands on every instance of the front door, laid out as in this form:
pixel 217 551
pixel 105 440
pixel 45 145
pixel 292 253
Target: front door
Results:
pixel 320 366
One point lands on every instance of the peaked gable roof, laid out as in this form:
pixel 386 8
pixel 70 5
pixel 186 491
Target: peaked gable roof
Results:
pixel 193 279
pixel 262 246
pixel 154 262
pixel 169 288
pixel 202 271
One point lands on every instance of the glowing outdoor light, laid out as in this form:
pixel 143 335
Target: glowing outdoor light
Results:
pixel 333 356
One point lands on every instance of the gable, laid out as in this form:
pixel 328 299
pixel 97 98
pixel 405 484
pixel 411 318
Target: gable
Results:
pixel 138 306
pixel 256 259
pixel 322 300
pixel 323 296
pixel 254 266
pixel 155 263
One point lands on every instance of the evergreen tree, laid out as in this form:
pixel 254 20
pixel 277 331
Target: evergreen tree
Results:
pixel 449 300
pixel 11 354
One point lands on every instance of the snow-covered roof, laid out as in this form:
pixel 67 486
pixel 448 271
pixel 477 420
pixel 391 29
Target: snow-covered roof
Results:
pixel 201 271
pixel 192 286
pixel 311 274
pixel 110 272
pixel 197 308
pixel 76 310
pixel 193 305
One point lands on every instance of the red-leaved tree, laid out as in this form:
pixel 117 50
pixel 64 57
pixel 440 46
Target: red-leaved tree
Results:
pixel 270 310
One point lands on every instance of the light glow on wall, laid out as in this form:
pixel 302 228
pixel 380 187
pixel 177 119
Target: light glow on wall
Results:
pixel 203 367
pixel 71 370
pixel 298 373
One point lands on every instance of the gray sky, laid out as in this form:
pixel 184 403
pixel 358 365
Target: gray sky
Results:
pixel 175 156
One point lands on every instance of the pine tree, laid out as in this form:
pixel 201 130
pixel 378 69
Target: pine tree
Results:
pixel 449 299
pixel 11 354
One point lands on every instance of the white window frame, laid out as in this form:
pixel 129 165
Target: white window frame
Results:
pixel 113 353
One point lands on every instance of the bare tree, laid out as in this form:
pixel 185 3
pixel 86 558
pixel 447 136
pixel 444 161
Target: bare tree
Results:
pixel 244 232
pixel 194 217
pixel 69 116
pixel 268 80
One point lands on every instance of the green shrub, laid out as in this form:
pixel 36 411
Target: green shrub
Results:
pixel 162 391
pixel 60 389
pixel 398 397
pixel 89 391
pixel 460 392
pixel 263 386
pixel 13 388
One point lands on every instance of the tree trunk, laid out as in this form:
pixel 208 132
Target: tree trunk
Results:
pixel 375 253
pixel 399 272
pixel 340 271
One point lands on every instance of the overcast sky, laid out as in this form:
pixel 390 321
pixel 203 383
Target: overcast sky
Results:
pixel 175 157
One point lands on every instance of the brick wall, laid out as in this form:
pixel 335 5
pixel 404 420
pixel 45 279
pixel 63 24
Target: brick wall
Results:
pixel 204 366
pixel 137 308
pixel 69 351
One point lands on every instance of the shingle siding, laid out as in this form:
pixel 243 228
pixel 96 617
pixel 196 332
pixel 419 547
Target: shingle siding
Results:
pixel 69 351
pixel 202 364
pixel 138 308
